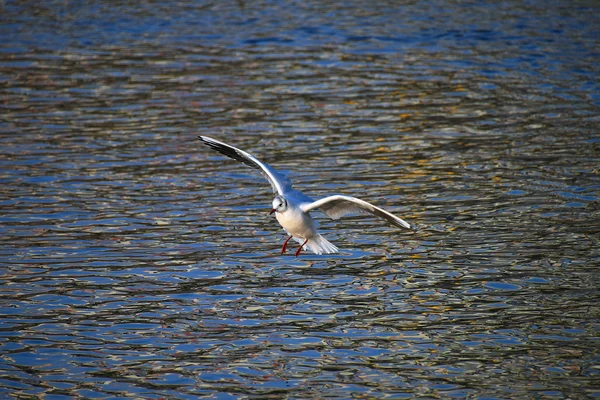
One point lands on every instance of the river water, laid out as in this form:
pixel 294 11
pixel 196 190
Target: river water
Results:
pixel 137 263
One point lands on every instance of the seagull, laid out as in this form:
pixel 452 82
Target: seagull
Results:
pixel 292 207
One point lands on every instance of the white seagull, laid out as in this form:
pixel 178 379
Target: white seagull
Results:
pixel 292 207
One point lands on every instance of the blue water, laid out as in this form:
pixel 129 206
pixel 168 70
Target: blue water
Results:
pixel 136 263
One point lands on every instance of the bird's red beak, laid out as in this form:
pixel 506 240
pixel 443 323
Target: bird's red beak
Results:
pixel 272 211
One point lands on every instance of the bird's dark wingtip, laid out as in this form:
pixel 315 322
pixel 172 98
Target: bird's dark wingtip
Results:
pixel 230 152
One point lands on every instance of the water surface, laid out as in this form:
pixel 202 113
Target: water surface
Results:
pixel 136 263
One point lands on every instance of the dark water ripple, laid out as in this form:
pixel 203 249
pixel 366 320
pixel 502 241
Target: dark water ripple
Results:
pixel 136 264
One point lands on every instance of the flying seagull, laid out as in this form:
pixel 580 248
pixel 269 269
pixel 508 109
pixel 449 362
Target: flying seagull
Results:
pixel 292 207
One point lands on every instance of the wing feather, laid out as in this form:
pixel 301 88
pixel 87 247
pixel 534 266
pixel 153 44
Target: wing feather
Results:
pixel 280 183
pixel 337 206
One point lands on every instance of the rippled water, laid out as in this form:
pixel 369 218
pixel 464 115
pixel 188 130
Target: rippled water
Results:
pixel 137 263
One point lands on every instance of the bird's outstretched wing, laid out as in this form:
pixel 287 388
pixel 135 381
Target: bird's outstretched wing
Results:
pixel 337 206
pixel 280 183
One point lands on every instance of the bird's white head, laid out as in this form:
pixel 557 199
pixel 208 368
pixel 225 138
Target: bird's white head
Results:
pixel 279 204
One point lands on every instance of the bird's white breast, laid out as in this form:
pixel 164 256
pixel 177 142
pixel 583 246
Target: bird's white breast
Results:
pixel 297 223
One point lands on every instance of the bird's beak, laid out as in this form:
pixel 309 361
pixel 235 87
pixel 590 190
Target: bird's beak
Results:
pixel 272 211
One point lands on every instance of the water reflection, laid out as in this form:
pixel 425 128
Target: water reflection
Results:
pixel 134 263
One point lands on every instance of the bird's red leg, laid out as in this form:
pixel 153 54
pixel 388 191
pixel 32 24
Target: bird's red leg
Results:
pixel 285 244
pixel 300 248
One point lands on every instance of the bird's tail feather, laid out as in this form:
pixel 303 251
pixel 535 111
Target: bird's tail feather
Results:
pixel 320 245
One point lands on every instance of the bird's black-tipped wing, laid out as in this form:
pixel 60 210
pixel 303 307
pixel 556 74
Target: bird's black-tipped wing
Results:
pixel 337 206
pixel 280 183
